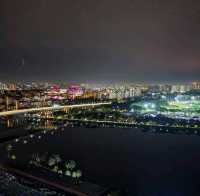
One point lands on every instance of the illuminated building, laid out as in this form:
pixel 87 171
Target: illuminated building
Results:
pixel 180 88
pixel 3 86
pixel 74 91
pixel 196 85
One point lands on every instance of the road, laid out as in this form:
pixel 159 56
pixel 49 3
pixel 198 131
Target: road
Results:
pixel 13 112
pixel 54 184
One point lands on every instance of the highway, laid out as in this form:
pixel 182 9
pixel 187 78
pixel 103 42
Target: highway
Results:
pixel 14 112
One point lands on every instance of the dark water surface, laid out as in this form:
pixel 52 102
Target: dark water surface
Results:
pixel 147 164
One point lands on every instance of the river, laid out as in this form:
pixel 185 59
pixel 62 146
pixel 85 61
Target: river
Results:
pixel 146 164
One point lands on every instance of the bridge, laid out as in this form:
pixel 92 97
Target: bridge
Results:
pixel 56 108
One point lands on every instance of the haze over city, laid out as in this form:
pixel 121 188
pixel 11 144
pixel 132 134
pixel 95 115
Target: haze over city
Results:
pixel 98 41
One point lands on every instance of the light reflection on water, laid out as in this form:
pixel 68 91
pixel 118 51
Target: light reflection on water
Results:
pixel 145 163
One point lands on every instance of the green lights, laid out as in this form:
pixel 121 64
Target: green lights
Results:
pixel 179 105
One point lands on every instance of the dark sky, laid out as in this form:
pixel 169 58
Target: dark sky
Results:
pixel 100 40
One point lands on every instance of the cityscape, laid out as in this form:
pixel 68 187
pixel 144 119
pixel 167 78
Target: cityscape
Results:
pixel 31 113
pixel 99 98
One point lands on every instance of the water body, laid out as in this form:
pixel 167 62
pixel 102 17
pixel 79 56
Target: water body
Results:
pixel 146 164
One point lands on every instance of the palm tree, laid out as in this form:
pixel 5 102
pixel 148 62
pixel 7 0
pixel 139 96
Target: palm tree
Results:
pixel 71 164
pixel 68 173
pixel 55 169
pixel 78 173
pixel 57 158
pixel 74 174
pixel 9 148
pixel 54 160
pixel 60 172
pixel 36 159
pixel 67 165
pixel 51 162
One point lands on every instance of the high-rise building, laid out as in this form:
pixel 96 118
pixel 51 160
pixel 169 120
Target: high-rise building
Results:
pixel 3 86
pixel 196 85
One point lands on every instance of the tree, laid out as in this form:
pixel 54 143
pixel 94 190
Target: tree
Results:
pixel 70 165
pixel 78 173
pixel 68 173
pixel 51 162
pixel 9 148
pixel 60 172
pixel 74 174
pixel 36 159
pixel 57 158
pixel 55 169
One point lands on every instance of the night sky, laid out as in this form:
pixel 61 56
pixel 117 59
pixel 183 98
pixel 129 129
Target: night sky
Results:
pixel 100 40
